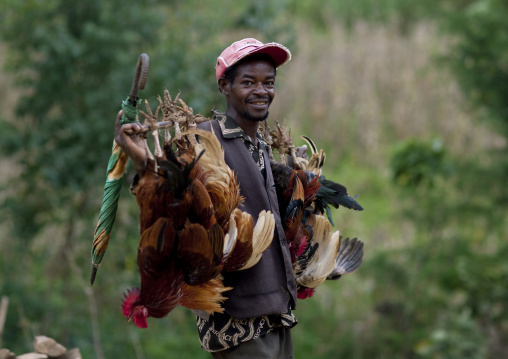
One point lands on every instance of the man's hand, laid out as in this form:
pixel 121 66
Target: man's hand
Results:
pixel 133 144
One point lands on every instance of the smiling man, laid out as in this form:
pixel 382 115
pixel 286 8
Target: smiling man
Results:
pixel 258 317
pixel 258 312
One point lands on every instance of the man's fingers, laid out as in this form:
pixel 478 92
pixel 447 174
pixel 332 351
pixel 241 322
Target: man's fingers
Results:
pixel 124 132
pixel 118 122
pixel 128 128
pixel 132 128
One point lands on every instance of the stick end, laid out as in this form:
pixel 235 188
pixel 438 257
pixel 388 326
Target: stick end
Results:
pixel 94 273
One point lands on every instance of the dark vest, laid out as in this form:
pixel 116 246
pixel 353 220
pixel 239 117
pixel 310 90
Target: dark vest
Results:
pixel 269 287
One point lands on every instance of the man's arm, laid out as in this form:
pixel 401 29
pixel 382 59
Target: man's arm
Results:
pixel 133 145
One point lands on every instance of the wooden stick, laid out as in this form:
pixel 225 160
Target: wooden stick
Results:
pixel 148 128
pixel 166 124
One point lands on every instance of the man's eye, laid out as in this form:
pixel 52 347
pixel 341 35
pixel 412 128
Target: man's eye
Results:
pixel 269 83
pixel 247 83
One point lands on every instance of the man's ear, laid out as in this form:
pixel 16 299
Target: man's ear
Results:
pixel 224 86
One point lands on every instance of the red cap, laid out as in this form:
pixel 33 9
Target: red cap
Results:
pixel 246 47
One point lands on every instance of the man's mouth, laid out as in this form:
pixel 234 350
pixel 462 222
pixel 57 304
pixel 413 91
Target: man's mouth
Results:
pixel 259 102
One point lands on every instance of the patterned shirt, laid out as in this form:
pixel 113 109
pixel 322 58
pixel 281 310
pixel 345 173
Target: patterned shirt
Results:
pixel 230 129
pixel 221 331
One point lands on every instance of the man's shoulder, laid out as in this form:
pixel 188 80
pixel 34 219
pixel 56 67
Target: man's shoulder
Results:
pixel 207 125
pixel 212 123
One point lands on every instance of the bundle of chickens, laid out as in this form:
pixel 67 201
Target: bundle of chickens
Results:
pixel 192 228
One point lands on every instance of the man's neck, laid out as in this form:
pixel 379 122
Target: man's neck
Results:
pixel 249 127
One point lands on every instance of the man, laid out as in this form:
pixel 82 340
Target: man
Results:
pixel 258 317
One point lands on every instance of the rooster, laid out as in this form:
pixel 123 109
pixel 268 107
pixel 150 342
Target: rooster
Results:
pixel 245 242
pixel 181 243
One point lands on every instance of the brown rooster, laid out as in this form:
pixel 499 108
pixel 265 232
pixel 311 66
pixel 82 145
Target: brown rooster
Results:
pixel 245 242
pixel 219 180
pixel 181 244
pixel 161 275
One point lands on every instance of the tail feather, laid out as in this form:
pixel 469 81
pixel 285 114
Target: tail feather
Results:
pixel 333 194
pixel 243 224
pixel 197 255
pixel 317 158
pixel 262 237
pixel 349 257
pixel 207 297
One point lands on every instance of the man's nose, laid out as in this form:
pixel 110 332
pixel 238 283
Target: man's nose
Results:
pixel 260 89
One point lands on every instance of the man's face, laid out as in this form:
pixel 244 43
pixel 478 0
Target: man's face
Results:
pixel 252 91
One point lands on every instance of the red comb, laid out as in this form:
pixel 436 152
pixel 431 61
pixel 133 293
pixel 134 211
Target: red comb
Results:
pixel 129 298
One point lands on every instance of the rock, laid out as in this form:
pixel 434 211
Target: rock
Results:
pixel 71 354
pixel 49 346
pixel 32 356
pixel 6 354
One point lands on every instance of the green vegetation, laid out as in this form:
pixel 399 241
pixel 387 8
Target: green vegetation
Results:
pixel 408 99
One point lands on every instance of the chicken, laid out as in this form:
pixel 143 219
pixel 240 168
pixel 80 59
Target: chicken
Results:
pixel 161 275
pixel 317 262
pixel 190 224
pixel 192 228
pixel 181 245
pixel 348 259
pixel 220 181
pixel 292 208
pixel 247 241
pixel 305 196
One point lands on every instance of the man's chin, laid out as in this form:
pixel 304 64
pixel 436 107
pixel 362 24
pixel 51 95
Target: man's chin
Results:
pixel 252 118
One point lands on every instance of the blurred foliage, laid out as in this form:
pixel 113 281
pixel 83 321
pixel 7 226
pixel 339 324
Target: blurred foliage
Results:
pixel 449 343
pixel 405 13
pixel 432 283
pixel 414 163
pixel 72 63
pixel 455 265
pixel 480 57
